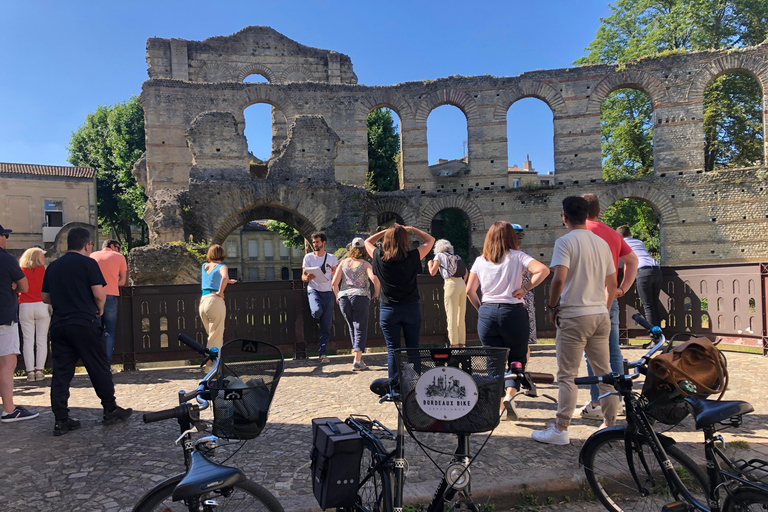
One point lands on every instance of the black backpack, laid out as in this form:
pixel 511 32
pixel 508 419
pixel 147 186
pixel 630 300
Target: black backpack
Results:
pixel 455 266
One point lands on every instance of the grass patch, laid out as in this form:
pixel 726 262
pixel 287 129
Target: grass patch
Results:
pixel 527 502
pixel 738 445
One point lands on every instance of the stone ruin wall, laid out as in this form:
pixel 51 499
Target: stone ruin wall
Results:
pixel 197 176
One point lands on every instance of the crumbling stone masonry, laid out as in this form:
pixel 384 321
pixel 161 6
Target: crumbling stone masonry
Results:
pixel 196 173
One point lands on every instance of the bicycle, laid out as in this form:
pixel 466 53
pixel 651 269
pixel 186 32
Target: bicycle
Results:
pixel 240 413
pixel 448 390
pixel 632 467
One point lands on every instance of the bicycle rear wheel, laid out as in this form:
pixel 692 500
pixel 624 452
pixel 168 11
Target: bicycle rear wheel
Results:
pixel 609 476
pixel 375 491
pixel 746 500
pixel 246 495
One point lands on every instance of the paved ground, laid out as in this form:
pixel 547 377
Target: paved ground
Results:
pixel 100 468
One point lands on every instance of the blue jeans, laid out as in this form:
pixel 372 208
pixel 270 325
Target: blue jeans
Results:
pixel 321 305
pixel 355 309
pixel 109 323
pixel 397 318
pixel 617 360
pixel 505 326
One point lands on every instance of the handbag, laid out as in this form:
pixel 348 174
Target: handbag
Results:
pixel 697 360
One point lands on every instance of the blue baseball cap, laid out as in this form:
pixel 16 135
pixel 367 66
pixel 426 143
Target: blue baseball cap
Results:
pixel 4 231
pixel 516 227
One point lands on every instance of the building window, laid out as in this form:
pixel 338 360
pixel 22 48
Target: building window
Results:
pixel 284 251
pixel 543 182
pixel 232 272
pixel 285 274
pixel 253 274
pixel 54 214
pixel 253 249
pixel 269 253
pixel 230 247
pixel 517 183
pixel 297 253
pixel 270 274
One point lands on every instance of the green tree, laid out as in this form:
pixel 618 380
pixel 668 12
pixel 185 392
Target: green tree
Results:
pixel 626 135
pixel 383 152
pixel 111 141
pixel 641 219
pixel 292 237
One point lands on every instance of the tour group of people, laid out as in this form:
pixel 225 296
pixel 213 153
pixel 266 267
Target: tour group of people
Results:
pixel 582 299
pixel 75 300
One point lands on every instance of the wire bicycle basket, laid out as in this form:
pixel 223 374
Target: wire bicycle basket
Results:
pixel 451 390
pixel 243 387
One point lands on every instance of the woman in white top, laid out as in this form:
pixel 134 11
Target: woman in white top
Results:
pixel 502 318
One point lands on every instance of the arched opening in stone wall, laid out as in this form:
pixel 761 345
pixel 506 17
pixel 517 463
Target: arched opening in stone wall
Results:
pixel 733 122
pixel 626 134
pixel 387 219
pixel 447 141
pixel 385 168
pixel 453 225
pixel 641 217
pixel 263 134
pixel 264 250
pixel 530 140
pixel 256 78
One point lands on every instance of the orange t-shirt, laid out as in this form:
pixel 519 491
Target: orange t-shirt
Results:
pixel 615 241
pixel 35 280
pixel 111 264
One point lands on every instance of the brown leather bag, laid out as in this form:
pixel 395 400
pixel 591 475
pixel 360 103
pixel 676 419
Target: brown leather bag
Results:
pixel 697 360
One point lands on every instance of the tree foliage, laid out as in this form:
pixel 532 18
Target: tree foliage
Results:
pixel 626 135
pixel 641 219
pixel 111 141
pixel 383 152
pixel 291 236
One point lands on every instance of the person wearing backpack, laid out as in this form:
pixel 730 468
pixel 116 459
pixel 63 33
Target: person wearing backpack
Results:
pixel 454 271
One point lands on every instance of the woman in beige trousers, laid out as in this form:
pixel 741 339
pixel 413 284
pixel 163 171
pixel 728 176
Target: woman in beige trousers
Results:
pixel 454 291
pixel 213 310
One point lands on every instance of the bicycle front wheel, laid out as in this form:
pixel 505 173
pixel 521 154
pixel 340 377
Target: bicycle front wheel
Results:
pixel 246 495
pixel 609 475
pixel 375 491
pixel 746 500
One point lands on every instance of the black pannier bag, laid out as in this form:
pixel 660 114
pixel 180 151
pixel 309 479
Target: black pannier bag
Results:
pixel 336 453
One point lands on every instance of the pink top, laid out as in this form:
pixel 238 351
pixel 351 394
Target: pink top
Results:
pixel 111 264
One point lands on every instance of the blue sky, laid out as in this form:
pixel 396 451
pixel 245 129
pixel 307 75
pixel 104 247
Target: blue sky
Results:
pixel 63 59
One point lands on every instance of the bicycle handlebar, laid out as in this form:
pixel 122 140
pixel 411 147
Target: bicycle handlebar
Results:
pixel 193 344
pixel 177 412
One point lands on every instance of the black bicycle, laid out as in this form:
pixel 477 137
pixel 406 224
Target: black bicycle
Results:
pixel 456 391
pixel 632 467
pixel 241 388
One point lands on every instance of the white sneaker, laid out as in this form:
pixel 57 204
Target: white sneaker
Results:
pixel 551 435
pixel 590 412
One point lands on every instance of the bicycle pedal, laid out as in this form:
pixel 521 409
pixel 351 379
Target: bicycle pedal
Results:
pixel 678 506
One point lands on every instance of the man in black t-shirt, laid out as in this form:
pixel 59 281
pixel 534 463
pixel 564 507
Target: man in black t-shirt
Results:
pixel 74 285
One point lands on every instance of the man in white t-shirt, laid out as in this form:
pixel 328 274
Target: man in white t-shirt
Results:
pixel 321 266
pixel 582 288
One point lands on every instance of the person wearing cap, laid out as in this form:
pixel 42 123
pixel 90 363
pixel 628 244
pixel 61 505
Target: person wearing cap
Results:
pixel 115 271
pixel 528 298
pixel 12 281
pixel 454 290
pixel 351 285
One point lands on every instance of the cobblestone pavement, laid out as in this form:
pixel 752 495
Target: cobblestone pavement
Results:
pixel 109 468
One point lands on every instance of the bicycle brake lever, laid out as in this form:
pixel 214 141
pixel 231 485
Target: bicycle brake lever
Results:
pixel 182 436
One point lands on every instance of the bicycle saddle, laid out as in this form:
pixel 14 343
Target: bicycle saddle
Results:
pixel 380 386
pixel 205 476
pixel 709 412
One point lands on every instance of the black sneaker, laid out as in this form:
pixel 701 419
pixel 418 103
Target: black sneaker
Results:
pixel 18 414
pixel 64 426
pixel 117 414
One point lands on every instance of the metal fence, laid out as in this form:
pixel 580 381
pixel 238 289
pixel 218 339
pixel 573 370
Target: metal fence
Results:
pixel 719 301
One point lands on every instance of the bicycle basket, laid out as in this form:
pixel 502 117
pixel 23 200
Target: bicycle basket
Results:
pixel 663 402
pixel 451 390
pixel 243 387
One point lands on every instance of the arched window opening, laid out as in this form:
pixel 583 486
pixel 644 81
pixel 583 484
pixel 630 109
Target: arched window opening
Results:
pixel 752 305
pixel 703 287
pixel 704 303
pixel 255 78
pixel 643 222
pixel 453 225
pixel 705 321
pixel 687 306
pixel 736 287
pixel 626 121
pixel 733 122
pixel 385 167
pixel 719 303
pixel 530 139
pixel 259 244
pixel 720 286
pixel 261 135
pixel 447 141
pixel 386 219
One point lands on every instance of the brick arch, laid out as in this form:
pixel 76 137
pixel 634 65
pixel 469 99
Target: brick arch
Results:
pixel 436 205
pixel 396 205
pixel 455 97
pixel 629 79
pixel 264 71
pixel 306 72
pixel 642 190
pixel 530 89
pixel 213 72
pixel 261 93
pixel 291 205
pixel 386 98
pixel 734 62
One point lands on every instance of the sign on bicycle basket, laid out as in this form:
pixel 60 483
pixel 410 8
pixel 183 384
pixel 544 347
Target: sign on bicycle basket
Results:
pixel 446 393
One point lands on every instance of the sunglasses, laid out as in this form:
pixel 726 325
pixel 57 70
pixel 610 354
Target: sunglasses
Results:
pixel 5 235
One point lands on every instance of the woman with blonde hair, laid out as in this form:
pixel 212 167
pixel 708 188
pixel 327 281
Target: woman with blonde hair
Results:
pixel 34 315
pixel 213 310
pixel 397 265
pixel 450 266
pixel 502 318
pixel 351 285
